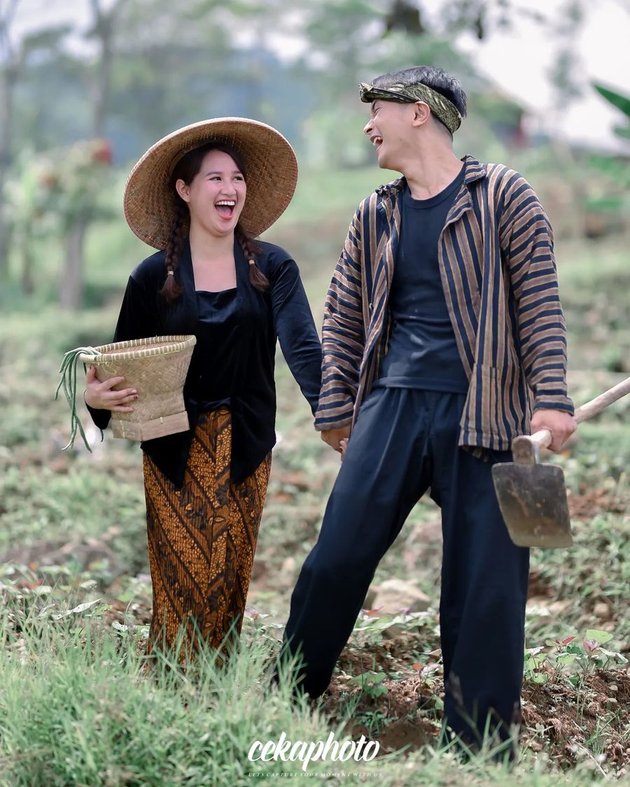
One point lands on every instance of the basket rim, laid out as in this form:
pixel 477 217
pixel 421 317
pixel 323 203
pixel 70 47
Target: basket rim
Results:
pixel 132 349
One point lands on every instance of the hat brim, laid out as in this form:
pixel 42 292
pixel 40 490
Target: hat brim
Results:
pixel 268 159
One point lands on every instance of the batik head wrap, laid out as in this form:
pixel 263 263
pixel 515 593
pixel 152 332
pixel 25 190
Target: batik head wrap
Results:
pixel 441 107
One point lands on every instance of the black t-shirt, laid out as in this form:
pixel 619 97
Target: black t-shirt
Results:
pixel 212 370
pixel 422 351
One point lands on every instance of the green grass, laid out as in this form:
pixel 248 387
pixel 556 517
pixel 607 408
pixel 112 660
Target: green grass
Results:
pixel 78 709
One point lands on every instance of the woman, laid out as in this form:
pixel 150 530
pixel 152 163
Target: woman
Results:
pixel 201 195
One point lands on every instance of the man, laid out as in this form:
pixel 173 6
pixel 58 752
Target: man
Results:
pixel 443 339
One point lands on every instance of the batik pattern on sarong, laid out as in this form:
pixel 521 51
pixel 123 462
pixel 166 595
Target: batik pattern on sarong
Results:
pixel 202 540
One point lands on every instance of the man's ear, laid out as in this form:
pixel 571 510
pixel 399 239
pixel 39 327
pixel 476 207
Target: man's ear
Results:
pixel 421 113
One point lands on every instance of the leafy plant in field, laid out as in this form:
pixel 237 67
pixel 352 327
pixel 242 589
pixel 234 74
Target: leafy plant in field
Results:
pixel 373 625
pixel 370 683
pixel 572 657
pixel 372 720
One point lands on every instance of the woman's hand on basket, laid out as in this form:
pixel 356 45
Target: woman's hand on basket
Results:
pixel 102 396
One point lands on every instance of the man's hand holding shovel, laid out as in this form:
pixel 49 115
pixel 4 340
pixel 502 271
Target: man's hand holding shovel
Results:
pixel 561 425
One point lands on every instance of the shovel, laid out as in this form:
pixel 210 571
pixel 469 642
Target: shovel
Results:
pixel 532 496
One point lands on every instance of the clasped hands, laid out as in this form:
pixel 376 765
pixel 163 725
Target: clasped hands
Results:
pixel 337 439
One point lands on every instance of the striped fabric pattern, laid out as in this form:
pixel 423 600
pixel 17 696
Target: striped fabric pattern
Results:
pixel 500 282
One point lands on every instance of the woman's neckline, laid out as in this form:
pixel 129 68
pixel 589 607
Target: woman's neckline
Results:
pixel 216 292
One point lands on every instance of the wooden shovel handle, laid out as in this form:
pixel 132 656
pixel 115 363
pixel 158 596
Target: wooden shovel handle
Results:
pixel 526 447
pixel 601 402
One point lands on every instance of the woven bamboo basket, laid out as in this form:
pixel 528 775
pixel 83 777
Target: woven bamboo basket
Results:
pixel 156 367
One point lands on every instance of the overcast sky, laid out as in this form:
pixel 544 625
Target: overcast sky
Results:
pixel 518 60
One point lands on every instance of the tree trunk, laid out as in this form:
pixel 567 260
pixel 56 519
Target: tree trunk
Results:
pixel 9 68
pixel 103 71
pixel 7 79
pixel 5 232
pixel 28 265
pixel 104 31
pixel 71 284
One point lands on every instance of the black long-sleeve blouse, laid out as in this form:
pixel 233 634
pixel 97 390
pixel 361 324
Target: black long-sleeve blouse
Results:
pixel 282 313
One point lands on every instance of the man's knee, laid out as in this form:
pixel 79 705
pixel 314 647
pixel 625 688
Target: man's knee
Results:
pixel 333 571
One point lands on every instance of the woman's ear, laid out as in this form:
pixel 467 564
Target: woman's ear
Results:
pixel 182 189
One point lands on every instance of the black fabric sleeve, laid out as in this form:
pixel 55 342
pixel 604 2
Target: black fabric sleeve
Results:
pixel 135 321
pixel 295 328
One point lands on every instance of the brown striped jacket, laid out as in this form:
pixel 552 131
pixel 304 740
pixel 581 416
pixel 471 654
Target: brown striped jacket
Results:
pixel 499 276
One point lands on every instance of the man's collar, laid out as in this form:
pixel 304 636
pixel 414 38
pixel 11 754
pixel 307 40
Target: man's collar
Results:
pixel 475 170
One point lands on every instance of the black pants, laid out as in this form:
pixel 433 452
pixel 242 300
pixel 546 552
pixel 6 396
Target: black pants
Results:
pixel 404 443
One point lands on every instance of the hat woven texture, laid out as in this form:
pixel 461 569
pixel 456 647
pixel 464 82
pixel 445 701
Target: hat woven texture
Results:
pixel 156 367
pixel 270 173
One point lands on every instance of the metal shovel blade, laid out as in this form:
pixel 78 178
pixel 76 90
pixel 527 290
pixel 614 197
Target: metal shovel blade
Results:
pixel 533 501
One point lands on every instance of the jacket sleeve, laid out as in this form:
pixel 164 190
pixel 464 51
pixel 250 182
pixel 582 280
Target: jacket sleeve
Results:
pixel 527 247
pixel 295 329
pixel 343 334
pixel 136 320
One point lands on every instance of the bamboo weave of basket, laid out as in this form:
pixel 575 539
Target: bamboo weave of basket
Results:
pixel 156 367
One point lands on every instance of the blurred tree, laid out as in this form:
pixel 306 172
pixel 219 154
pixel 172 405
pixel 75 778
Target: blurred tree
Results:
pixel 351 42
pixel 405 16
pixel 76 197
pixel 58 193
pixel 566 72
pixel 565 77
pixel 251 25
pixel 203 59
pixel 103 31
pixel 75 180
pixel 15 57
pixel 26 197
pixel 9 69
pixel 169 72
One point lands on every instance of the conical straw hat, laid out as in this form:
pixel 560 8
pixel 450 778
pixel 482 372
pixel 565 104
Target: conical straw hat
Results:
pixel 270 169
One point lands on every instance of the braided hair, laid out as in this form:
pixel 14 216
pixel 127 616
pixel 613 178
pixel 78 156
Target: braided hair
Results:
pixel 186 169
pixel 256 277
pixel 172 289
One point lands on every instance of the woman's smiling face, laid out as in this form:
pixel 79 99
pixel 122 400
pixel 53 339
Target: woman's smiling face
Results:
pixel 216 195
